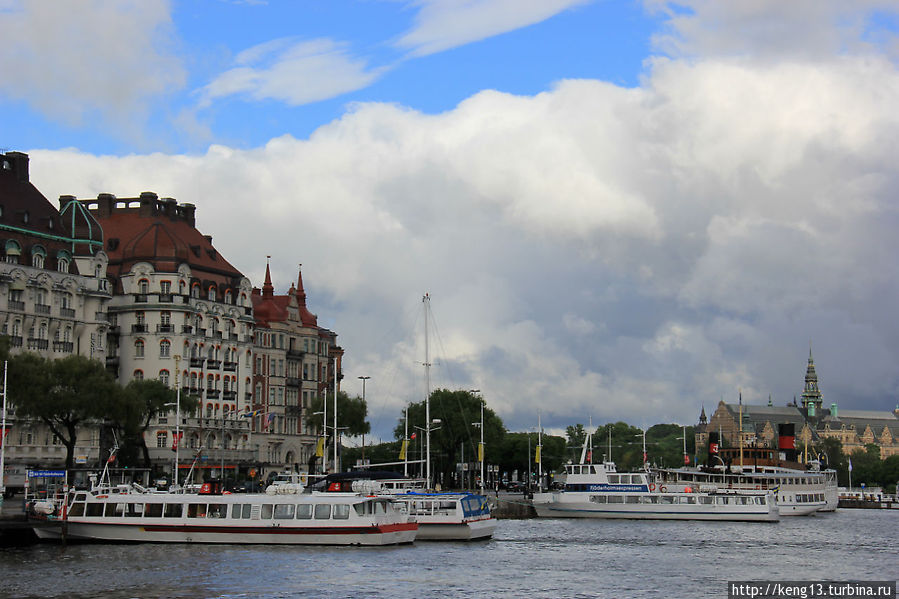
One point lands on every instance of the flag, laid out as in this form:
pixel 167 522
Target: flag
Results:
pixel 320 447
pixel 111 458
pixel 537 455
pixel 3 436
pixel 644 457
pixel 412 436
pixel 403 447
pixel 686 460
pixel 850 464
pixel 251 414
pixel 176 437
pixel 481 452
pixel 589 456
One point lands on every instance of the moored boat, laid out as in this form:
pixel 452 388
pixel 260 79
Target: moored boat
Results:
pixel 600 491
pixel 282 515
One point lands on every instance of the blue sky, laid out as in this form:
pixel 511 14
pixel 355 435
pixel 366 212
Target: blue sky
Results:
pixel 621 210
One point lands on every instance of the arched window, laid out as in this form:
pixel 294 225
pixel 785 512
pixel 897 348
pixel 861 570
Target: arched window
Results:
pixel 228 297
pixel 13 251
pixel 165 348
pixel 209 410
pixel 162 439
pixel 63 259
pixel 211 294
pixel 143 286
pixel 210 383
pixel 38 256
pixel 139 348
pixel 195 291
pixel 164 377
pixel 138 375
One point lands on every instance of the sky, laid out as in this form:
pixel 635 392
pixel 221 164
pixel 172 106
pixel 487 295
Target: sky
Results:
pixel 621 210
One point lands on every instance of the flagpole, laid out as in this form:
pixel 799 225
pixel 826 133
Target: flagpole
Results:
pixel 3 439
pixel 336 465
pixel 177 418
pixel 406 443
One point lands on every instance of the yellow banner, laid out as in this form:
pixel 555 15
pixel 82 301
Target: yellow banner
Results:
pixel 403 449
pixel 320 447
pixel 537 455
pixel 480 452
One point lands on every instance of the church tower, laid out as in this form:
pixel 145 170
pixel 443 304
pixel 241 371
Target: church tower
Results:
pixel 811 394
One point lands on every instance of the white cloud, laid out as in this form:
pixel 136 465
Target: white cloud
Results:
pixel 292 71
pixel 73 60
pixel 444 24
pixel 593 250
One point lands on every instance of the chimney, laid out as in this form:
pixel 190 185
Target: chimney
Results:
pixel 189 211
pixel 833 411
pixel 18 162
pixel 713 447
pixel 148 201
pixel 786 440
pixel 105 205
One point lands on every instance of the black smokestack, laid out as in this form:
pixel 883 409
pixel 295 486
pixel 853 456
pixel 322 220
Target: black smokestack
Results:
pixel 786 440
pixel 713 448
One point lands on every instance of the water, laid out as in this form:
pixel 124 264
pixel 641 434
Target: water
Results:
pixel 527 558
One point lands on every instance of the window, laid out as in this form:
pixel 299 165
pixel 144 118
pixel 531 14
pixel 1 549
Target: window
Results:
pixel 37 256
pixel 164 377
pixel 62 262
pixel 341 512
pixel 210 382
pixel 162 439
pixel 283 511
pixel 165 348
pixel 322 511
pixel 304 511
pixel 139 348
pixel 195 291
pixel 138 375
pixel 212 294
pixel 141 317
pixel 165 318
pixel 165 287
pixel 13 251
pixel 143 286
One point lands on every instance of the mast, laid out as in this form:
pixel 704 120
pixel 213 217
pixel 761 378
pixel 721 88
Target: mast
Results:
pixel 540 453
pixel 336 463
pixel 740 439
pixel 426 301
pixel 406 441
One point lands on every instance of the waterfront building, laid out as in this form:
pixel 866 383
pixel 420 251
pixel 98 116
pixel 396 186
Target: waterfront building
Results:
pixel 53 296
pixel 180 313
pixel 295 361
pixel 812 422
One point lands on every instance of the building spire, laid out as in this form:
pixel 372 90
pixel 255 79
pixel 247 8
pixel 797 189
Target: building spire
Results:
pixel 268 289
pixel 811 393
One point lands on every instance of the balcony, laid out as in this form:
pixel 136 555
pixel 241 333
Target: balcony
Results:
pixel 201 332
pixel 14 305
pixel 139 328
pixel 197 362
pixel 15 341
pixel 187 329
pixel 230 366
pixel 39 344
pixel 63 346
pixel 140 298
pixel 292 381
pixel 216 334
pixel 41 309
pixel 165 328
pixel 213 364
pixel 295 354
pixel 212 393
pixel 293 411
pixel 100 316
pixel 229 395
pixel 166 298
pixel 70 313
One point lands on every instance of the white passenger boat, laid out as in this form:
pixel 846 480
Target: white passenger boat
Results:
pixel 459 516
pixel 600 491
pixel 282 515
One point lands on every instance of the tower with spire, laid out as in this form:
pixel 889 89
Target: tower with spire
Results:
pixel 811 394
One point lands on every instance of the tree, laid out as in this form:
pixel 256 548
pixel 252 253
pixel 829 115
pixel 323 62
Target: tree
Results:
pixel 866 466
pixel 351 413
pixel 63 394
pixel 457 411
pixel 625 443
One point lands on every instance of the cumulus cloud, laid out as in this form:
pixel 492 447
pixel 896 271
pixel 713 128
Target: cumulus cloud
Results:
pixel 444 24
pixel 74 60
pixel 292 71
pixel 593 250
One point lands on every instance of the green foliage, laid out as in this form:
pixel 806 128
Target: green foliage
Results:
pixel 63 394
pixel 867 467
pixel 576 435
pixel 456 410
pixel 351 413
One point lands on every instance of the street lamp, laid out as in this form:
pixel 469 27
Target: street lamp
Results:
pixel 481 448
pixel 177 418
pixel 363 378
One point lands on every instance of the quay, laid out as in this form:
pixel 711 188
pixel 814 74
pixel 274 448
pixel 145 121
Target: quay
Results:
pixel 15 529
pixel 868 504
pixel 511 506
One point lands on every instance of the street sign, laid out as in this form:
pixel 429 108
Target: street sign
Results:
pixel 46 474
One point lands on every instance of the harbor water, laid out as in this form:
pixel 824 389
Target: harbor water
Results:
pixel 533 558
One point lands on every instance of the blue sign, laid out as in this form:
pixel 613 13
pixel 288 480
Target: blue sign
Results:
pixel 46 474
pixel 606 487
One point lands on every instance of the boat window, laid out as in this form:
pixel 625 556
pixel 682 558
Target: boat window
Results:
pixel 283 511
pixel 323 511
pixel 217 510
pixel 81 497
pixel 153 510
pixel 360 509
pixel 95 509
pixel 380 507
pixel 448 505
pixel 114 510
pixel 304 511
pixel 691 500
pixel 267 510
pixel 616 499
pixel 173 510
pixel 631 499
pixel 705 500
pixel 667 499
pixel 241 511
pixel 598 498
pixel 196 510
pixel 341 512
pixel 77 509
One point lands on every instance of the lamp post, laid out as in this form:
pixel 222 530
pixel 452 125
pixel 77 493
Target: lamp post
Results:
pixel 177 419
pixel 481 447
pixel 363 378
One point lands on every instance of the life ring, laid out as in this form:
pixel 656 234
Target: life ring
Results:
pixel 757 487
pixel 652 486
pixel 663 489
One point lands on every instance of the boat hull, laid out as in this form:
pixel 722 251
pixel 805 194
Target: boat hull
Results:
pixel 393 534
pixel 548 506
pixel 456 531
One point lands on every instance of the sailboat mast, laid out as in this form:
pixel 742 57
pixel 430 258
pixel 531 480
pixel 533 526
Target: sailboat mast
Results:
pixel 426 300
